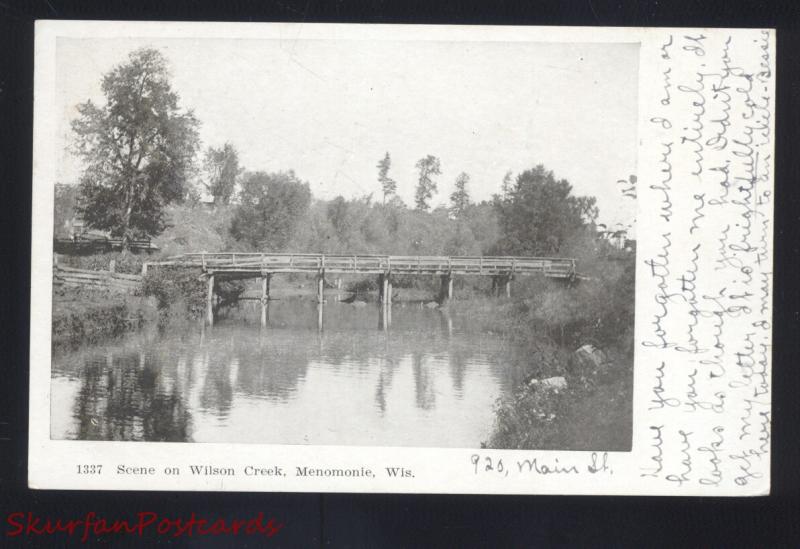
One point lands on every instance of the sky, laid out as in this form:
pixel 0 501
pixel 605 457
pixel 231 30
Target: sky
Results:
pixel 331 109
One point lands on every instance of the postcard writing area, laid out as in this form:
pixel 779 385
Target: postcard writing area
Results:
pixel 704 329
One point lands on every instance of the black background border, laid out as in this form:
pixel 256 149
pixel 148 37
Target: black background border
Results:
pixel 349 520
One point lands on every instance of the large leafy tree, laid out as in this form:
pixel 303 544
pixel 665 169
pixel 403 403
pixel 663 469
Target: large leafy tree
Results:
pixel 271 205
pixel 459 199
pixel 539 213
pixel 221 166
pixel 388 185
pixel 137 148
pixel 426 186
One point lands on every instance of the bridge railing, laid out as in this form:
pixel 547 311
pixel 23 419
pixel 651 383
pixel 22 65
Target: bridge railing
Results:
pixel 487 265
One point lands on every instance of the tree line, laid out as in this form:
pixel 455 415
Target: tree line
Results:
pixel 140 152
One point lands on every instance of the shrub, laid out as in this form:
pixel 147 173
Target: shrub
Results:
pixel 173 286
pixel 529 420
pixel 230 290
pixel 363 285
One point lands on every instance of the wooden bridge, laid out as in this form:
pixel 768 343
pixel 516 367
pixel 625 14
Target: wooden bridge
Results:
pixel 233 266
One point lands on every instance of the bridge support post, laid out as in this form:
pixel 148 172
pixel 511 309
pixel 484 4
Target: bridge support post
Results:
pixel 446 292
pixel 385 289
pixel 388 299
pixel 265 280
pixel 381 317
pixel 210 301
pixel 383 284
pixel 321 288
pixel 265 315
pixel 508 286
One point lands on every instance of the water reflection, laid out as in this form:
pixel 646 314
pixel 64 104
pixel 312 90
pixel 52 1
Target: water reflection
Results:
pixel 424 394
pixel 422 379
pixel 122 397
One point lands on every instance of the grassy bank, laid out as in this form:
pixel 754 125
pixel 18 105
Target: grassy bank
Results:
pixel 86 316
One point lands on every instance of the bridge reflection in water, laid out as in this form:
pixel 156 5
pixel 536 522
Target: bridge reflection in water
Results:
pixel 426 381
pixel 383 313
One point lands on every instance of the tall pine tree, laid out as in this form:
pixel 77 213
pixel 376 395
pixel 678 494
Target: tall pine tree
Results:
pixel 388 185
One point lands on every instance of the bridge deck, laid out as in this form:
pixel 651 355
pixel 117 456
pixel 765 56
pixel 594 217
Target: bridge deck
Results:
pixel 255 264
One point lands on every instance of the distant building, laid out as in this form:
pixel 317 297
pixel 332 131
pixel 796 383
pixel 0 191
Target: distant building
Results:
pixel 615 238
pixel 619 238
pixel 76 227
pixel 78 230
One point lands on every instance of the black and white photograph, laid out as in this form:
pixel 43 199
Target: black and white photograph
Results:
pixel 342 242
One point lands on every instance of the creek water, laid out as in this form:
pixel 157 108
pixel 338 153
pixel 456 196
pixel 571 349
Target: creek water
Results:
pixel 345 374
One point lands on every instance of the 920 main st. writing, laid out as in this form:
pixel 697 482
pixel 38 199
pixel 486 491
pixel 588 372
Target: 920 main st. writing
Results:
pixel 597 463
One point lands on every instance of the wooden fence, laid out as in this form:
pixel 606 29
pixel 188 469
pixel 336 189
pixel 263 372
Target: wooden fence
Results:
pixel 109 280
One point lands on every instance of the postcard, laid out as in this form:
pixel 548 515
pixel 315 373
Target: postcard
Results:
pixel 402 258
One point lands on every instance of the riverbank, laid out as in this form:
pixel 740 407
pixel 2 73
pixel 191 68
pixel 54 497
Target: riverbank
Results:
pixel 83 315
pixel 568 399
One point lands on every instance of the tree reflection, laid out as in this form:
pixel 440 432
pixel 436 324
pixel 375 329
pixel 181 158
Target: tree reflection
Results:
pixel 458 368
pixel 217 392
pixel 269 366
pixel 121 398
pixel 385 378
pixel 423 382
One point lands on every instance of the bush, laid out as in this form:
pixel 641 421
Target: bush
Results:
pixel 230 290
pixel 529 420
pixel 175 286
pixel 363 285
